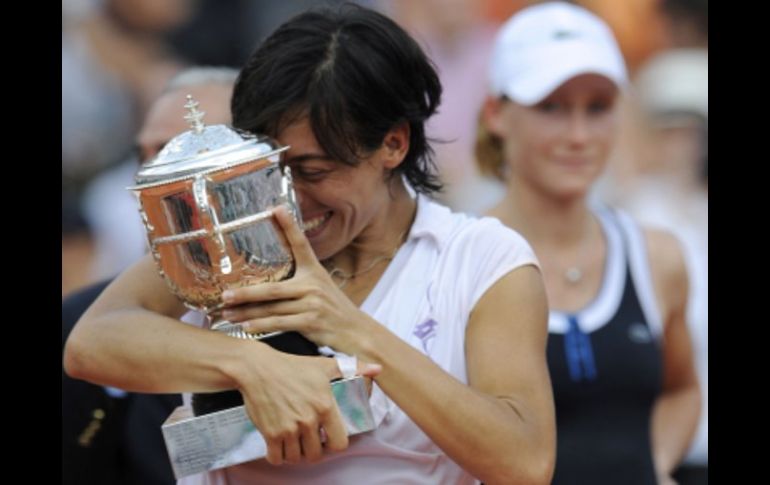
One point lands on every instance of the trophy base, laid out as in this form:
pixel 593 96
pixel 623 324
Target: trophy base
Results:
pixel 289 342
pixel 226 438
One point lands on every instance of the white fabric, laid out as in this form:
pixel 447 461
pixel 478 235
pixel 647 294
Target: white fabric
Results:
pixel 676 80
pixel 425 297
pixel 599 311
pixel 544 45
pixel 348 364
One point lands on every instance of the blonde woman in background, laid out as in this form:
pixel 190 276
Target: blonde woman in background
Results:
pixel 619 352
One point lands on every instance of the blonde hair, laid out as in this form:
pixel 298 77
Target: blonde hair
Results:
pixel 489 152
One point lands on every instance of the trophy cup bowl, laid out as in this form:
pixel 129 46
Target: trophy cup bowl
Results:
pixel 207 204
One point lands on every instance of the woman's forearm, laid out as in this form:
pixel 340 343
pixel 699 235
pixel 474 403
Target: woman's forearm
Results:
pixel 139 351
pixel 495 439
pixel 675 419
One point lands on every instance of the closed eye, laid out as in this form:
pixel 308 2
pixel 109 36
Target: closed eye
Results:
pixel 311 167
pixel 548 106
pixel 600 106
pixel 309 174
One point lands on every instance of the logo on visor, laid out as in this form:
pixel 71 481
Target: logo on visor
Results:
pixel 564 35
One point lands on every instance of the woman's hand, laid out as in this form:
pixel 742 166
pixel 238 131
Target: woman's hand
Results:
pixel 290 402
pixel 309 302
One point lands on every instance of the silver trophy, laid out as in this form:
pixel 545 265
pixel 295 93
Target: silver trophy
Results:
pixel 207 203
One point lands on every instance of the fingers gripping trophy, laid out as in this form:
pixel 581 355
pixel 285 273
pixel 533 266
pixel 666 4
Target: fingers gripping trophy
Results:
pixel 207 204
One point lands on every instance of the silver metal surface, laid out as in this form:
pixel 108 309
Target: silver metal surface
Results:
pixel 207 203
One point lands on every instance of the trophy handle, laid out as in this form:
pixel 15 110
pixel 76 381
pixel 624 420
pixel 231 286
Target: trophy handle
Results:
pixel 288 194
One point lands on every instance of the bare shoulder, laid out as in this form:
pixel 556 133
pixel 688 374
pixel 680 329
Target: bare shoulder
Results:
pixel 667 265
pixel 521 292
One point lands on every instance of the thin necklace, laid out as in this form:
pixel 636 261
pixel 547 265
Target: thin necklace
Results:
pixel 345 277
pixel 574 274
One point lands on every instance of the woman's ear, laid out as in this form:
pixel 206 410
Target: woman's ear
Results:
pixel 491 116
pixel 395 146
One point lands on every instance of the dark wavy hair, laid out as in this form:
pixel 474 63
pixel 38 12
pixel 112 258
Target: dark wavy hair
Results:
pixel 355 74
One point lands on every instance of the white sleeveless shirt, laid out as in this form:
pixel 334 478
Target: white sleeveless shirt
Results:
pixel 425 297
